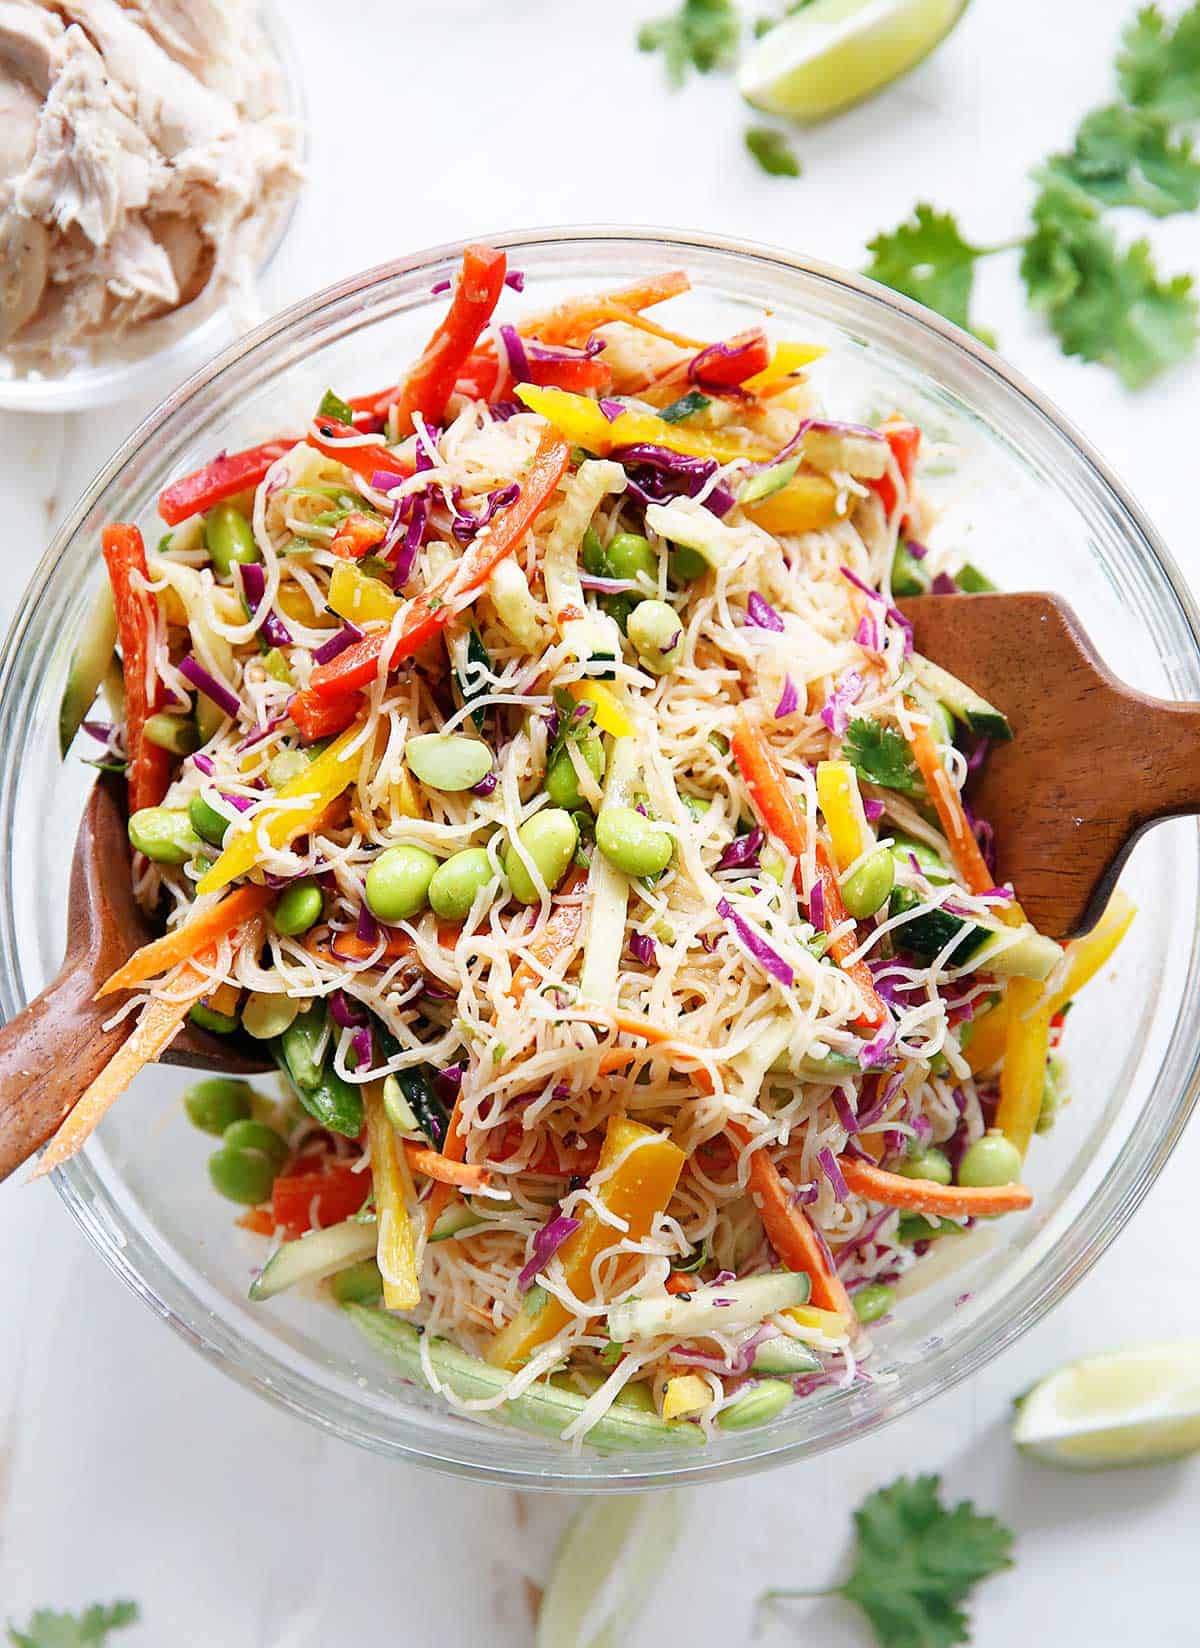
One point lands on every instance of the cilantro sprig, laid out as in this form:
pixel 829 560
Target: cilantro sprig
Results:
pixel 916 1564
pixel 1102 301
pixel 880 755
pixel 702 35
pixel 87 1630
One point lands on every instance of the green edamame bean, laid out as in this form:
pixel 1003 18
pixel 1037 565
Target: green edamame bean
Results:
pixel 266 1015
pixel 631 842
pixel 207 1018
pixel 298 907
pixel 904 849
pixel 359 1284
pixel 244 1176
pixel 214 1104
pixel 550 838
pixel 873 1301
pixel 247 1134
pixel 457 881
pixel 685 565
pixel 285 766
pixel 760 1402
pixel 562 781
pixel 657 636
pixel 229 538
pixel 629 555
pixel 992 1160
pixel 592 555
pixel 164 834
pixel 931 1164
pixel 697 805
pixel 207 820
pixel 448 761
pixel 869 886
pixel 176 733
pixel 398 883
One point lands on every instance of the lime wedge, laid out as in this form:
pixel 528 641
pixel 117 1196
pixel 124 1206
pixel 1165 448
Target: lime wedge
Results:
pixel 1132 1407
pixel 607 1565
pixel 835 52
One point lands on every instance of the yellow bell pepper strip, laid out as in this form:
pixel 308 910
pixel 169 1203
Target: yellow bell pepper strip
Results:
pixel 160 1020
pixel 181 943
pixel 396 1250
pixel 1026 1049
pixel 639 1187
pixel 685 1393
pixel 841 806
pixel 610 717
pixel 322 782
pixel 356 596
pixel 580 421
pixel 779 372
pixel 806 504
pixel 403 795
pixel 834 1324
pixel 1085 957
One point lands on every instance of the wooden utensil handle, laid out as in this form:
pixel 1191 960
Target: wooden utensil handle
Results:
pixel 48 1055
pixel 1162 759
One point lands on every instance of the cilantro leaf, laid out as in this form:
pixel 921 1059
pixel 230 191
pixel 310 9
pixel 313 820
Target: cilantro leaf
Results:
pixel 928 259
pixel 1159 67
pixel 702 34
pixel 87 1630
pixel 1124 157
pixel 916 1562
pixel 772 151
pixel 333 406
pixel 1102 303
pixel 880 755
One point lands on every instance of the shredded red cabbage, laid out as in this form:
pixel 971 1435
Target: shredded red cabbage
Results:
pixel 738 359
pixel 363 1047
pixel 979 754
pixel 804 1195
pixel 916 550
pixel 789 699
pixel 449 1080
pixel 367 928
pixel 539 351
pixel 944 584
pixel 240 803
pixel 345 1012
pixel 872 809
pixel 985 835
pixel 205 764
pixel 752 941
pixel 464 526
pixel 515 280
pixel 760 614
pixel 384 480
pixel 612 409
pixel 546 1244
pixel 259 733
pixel 836 711
pixel 441 286
pixel 643 949
pixel 254 588
pixel 608 586
pixel 865 1236
pixel 876 1052
pixel 208 684
pixel 655 474
pixel 345 637
pixel 742 852
pixel 816 905
pixel 827 1162
pixel 518 361
pixel 868 634
pixel 486 785
pixel 845 1112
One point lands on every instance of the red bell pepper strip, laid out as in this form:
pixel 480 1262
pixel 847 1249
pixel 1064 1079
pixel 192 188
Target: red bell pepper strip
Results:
pixel 480 377
pixel 357 536
pixel 149 772
pixel 723 367
pixel 224 477
pixel 431 382
pixel 308 1201
pixel 428 614
pixel 779 813
pixel 905 441
pixel 323 717
pixel 364 460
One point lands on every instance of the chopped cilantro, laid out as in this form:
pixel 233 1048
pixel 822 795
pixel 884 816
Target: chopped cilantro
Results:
pixel 687 406
pixel 1159 66
pixel 87 1630
pixel 880 755
pixel 927 259
pixel 772 151
pixel 702 35
pixel 1124 157
pixel 333 406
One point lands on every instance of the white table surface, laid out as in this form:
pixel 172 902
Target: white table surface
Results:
pixel 129 1466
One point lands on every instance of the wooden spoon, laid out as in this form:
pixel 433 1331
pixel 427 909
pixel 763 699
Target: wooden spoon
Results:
pixel 1092 763
pixel 57 1046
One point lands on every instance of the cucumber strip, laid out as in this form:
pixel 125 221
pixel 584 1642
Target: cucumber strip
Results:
pixel 591 636
pixel 785 1356
pixel 458 1217
pixel 1011 952
pixel 88 667
pixel 1030 955
pixel 313 1257
pixel 609 889
pixel 750 1068
pixel 683 521
pixel 963 702
pixel 545 1408
pixel 718 1306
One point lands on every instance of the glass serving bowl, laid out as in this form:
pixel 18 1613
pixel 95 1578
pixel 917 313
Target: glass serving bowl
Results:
pixel 158 352
pixel 1033 504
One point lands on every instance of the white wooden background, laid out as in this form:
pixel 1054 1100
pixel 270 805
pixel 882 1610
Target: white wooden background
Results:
pixel 128 1466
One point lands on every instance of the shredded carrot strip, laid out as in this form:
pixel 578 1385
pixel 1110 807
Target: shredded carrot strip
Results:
pixel 434 1165
pixel 926 1196
pixel 180 943
pixel 153 1032
pixel 968 860
pixel 560 936
pixel 454 1148
pixel 789 1229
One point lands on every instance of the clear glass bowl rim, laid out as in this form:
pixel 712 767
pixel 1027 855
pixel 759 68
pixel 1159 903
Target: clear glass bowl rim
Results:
pixel 1113 1201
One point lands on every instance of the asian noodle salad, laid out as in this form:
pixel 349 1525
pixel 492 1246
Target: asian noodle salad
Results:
pixel 532 761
